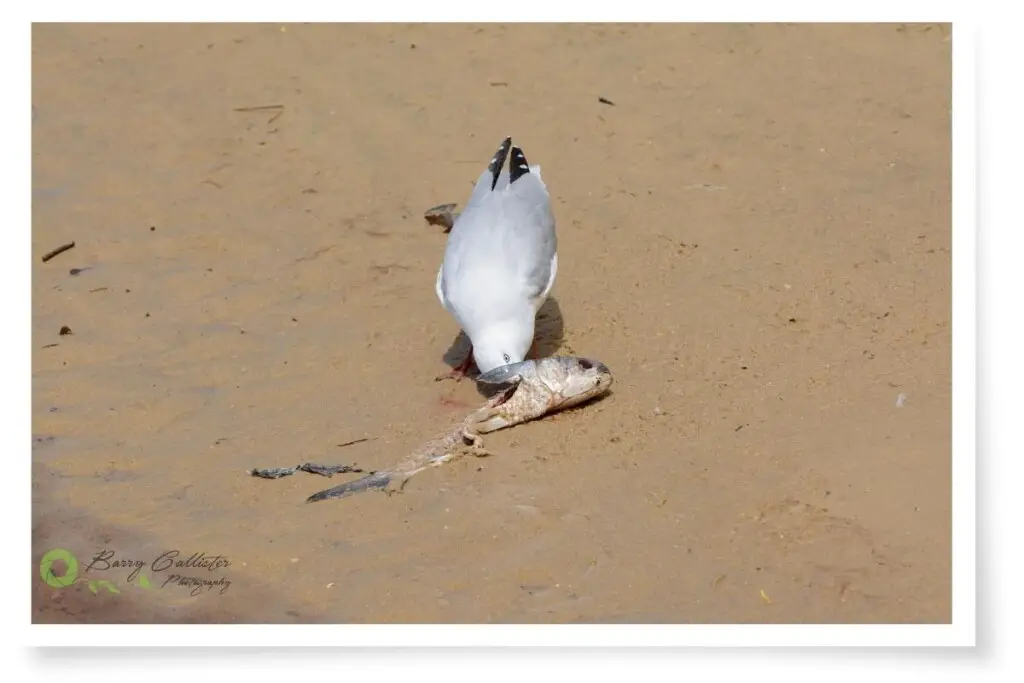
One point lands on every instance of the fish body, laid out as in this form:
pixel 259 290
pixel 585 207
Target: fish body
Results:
pixel 538 387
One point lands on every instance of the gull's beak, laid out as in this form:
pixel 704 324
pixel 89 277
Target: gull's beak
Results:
pixel 506 374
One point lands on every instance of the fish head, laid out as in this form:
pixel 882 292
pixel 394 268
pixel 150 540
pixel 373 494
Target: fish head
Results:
pixel 579 379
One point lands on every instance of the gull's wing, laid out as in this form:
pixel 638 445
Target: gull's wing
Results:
pixel 507 228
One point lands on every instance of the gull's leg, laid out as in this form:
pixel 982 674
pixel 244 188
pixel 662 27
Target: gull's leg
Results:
pixel 460 371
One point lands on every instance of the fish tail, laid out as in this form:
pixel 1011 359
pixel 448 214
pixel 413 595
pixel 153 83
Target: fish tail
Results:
pixel 377 480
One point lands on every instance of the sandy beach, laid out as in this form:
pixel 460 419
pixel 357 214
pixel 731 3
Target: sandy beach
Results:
pixel 754 235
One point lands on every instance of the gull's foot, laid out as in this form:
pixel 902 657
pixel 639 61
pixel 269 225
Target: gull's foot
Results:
pixel 459 372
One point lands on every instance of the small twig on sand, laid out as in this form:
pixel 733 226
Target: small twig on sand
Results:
pixel 273 472
pixel 262 107
pixel 279 108
pixel 312 468
pixel 58 251
pixel 323 470
pixel 355 441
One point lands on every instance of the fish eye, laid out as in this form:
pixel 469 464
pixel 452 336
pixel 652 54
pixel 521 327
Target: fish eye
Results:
pixel 585 364
pixel 505 356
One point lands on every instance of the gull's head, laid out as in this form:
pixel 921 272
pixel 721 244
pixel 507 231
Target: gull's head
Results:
pixel 503 342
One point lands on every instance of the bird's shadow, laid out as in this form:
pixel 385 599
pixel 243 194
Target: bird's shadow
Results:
pixel 547 340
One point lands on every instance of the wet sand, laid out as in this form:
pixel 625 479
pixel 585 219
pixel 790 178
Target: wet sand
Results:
pixel 754 236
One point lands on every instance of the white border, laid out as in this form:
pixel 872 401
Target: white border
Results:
pixel 964 334
pixel 536 636
pixel 960 633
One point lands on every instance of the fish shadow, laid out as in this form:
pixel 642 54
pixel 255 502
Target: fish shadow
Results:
pixel 548 335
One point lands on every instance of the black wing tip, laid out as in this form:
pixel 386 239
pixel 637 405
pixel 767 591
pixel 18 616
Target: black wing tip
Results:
pixel 517 166
pixel 499 161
